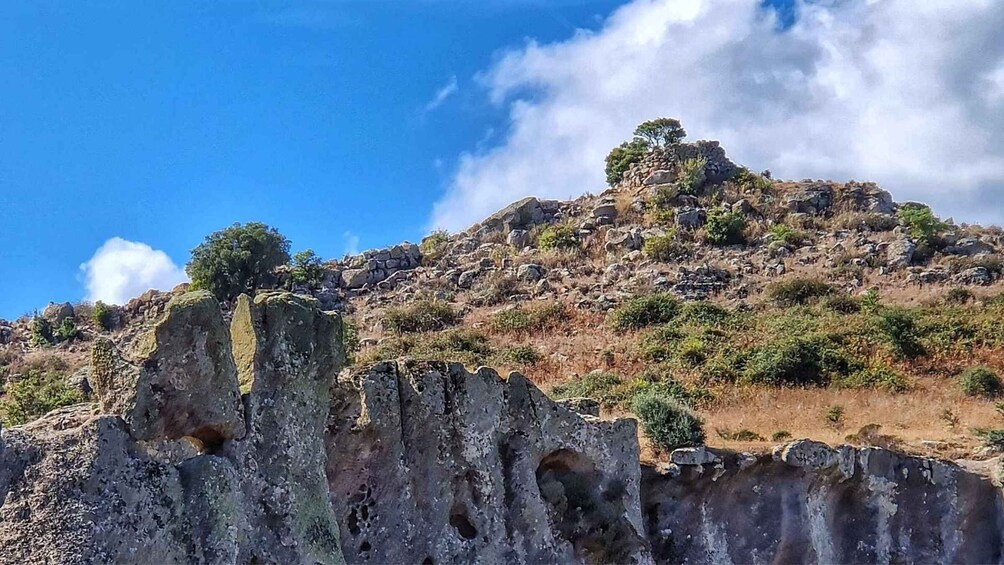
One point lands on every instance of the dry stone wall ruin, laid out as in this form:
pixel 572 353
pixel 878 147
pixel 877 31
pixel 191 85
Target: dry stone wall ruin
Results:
pixel 288 459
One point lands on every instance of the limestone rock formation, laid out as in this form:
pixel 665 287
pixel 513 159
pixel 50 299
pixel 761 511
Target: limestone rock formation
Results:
pixel 184 382
pixel 814 504
pixel 92 484
pixel 428 463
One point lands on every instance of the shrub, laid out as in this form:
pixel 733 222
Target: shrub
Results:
pixel 980 382
pixel 559 236
pixel 877 377
pixel 663 199
pixel 923 225
pixel 724 227
pixel 900 330
pixel 691 175
pixel 103 316
pixel 306 269
pixel 780 435
pixel 842 303
pixel 743 435
pixel 35 393
pixel 645 311
pixel 665 248
pixel 433 246
pixel 835 415
pixel 993 439
pixel 496 289
pixel 465 346
pixel 797 360
pixel 667 424
pixel 705 313
pixel 958 295
pixel 41 332
pixel 620 159
pixel 238 259
pixel 661 132
pixel 866 221
pixel 597 385
pixel 350 340
pixel 66 331
pixel 422 316
pixel 520 320
pixel 518 355
pixel 797 291
pixel 748 181
pixel 785 235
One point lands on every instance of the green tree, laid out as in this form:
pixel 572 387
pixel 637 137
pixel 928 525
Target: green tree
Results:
pixel 620 158
pixel 661 132
pixel 238 259
pixel 924 226
pixel 306 269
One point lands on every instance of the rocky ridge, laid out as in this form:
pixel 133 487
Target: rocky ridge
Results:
pixel 424 462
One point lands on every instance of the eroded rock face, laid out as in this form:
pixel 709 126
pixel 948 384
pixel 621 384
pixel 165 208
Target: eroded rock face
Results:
pixel 183 383
pixel 105 484
pixel 814 504
pixel 428 463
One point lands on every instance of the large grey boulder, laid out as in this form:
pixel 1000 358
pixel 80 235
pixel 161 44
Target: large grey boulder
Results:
pixel 900 252
pixel 428 463
pixel 57 312
pixel 183 383
pixel 814 200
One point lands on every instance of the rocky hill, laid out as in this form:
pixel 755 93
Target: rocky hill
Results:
pixel 348 419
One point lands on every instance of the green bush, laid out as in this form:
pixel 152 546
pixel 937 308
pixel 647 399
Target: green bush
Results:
pixel 41 332
pixel 748 181
pixel 660 132
pixel 645 311
pixel 691 175
pixel 705 313
pixel 785 235
pixel 66 331
pixel 667 423
pixel 520 320
pixel 797 291
pixel 306 269
pixel 780 435
pixel 993 439
pixel 877 377
pixel 958 295
pixel 518 355
pixel 559 236
pixel 620 159
pixel 421 316
pixel 103 316
pixel 237 260
pixel 797 360
pixel 665 248
pixel 596 385
pixel 980 382
pixel 433 246
pixel 37 392
pixel 350 340
pixel 899 327
pixel 842 303
pixel 724 227
pixel 923 225
pixel 469 347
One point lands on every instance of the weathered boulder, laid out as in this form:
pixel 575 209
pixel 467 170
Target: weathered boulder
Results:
pixel 428 463
pixel 184 382
pixel 690 218
pixel 900 252
pixel 969 246
pixel 521 214
pixel 974 276
pixel 661 176
pixel 354 278
pixel 622 239
pixel 518 238
pixel 529 272
pixel 56 312
pixel 813 200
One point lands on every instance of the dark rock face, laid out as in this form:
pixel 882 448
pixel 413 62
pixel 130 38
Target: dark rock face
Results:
pixel 428 463
pixel 813 504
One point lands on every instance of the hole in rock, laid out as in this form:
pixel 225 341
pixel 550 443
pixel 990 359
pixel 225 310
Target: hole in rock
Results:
pixel 428 561
pixel 212 440
pixel 463 525
pixel 585 514
pixel 365 547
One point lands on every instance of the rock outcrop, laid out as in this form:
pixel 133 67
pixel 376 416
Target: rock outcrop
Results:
pixel 142 479
pixel 428 463
pixel 810 503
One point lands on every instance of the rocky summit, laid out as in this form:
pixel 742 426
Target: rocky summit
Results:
pixel 701 364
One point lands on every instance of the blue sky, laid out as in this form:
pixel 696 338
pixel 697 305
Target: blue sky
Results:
pixel 161 125
pixel 129 131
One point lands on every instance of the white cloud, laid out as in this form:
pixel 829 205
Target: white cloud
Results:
pixel 901 92
pixel 121 270
pixel 447 90
pixel 351 242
